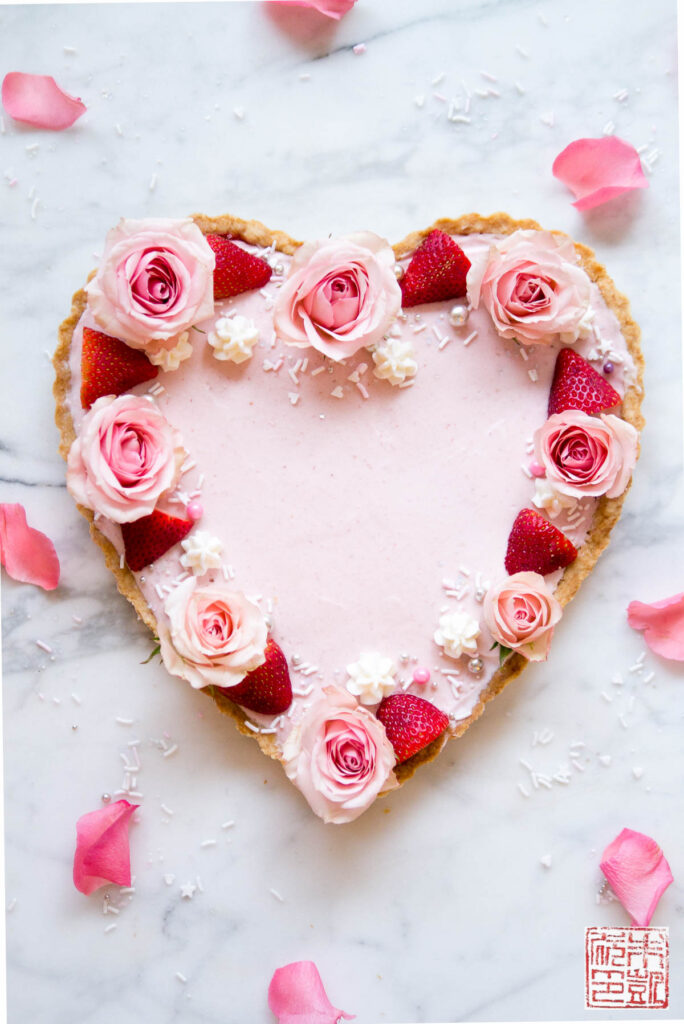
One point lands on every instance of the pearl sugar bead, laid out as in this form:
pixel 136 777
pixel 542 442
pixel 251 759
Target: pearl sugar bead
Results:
pixel 458 315
pixel 475 665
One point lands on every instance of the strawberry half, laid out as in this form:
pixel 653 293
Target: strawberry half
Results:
pixel 535 545
pixel 577 385
pixel 110 367
pixel 147 539
pixel 236 269
pixel 436 272
pixel 266 689
pixel 410 723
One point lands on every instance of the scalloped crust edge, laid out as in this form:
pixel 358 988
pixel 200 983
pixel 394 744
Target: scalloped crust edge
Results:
pixel 607 512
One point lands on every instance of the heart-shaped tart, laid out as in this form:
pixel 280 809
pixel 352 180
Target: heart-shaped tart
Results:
pixel 348 487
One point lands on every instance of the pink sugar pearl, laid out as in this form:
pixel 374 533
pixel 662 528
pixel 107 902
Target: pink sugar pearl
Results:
pixel 195 511
pixel 536 469
pixel 421 676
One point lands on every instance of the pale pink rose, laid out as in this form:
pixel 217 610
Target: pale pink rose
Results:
pixel 214 636
pixel 340 295
pixel 154 282
pixel 339 756
pixel 587 456
pixel 532 287
pixel 125 457
pixel 521 612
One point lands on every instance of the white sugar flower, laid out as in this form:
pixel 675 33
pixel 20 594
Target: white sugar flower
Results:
pixel 233 338
pixel 551 500
pixel 202 552
pixel 457 634
pixel 171 358
pixel 371 677
pixel 394 360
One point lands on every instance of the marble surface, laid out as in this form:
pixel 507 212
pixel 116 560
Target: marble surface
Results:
pixel 434 906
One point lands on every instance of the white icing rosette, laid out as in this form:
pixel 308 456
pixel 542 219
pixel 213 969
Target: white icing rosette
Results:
pixel 457 634
pixel 372 677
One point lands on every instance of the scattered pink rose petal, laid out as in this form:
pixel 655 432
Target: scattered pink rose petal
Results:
pixel 637 872
pixel 102 853
pixel 596 170
pixel 331 8
pixel 27 554
pixel 296 996
pixel 662 624
pixel 38 100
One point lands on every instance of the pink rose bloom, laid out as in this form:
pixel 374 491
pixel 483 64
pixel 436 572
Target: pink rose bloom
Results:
pixel 339 756
pixel 340 295
pixel 533 288
pixel 125 457
pixel 154 282
pixel 520 614
pixel 587 456
pixel 214 636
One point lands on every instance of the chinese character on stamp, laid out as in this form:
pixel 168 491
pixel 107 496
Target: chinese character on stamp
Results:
pixel 627 967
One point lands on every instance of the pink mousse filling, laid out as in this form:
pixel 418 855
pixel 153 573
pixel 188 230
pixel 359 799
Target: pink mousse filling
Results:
pixel 350 518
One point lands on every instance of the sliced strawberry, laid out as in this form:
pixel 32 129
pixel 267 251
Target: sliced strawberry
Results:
pixel 266 689
pixel 110 367
pixel 236 269
pixel 437 271
pixel 577 385
pixel 410 723
pixel 147 539
pixel 535 545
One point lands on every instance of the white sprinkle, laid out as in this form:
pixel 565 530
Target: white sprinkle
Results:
pixel 543 780
pixel 576 764
pixel 274 892
pixel 361 389
pixel 239 113
pixel 118 129
pixel 11 905
pixel 489 77
pixel 444 342
pixel 304 77
pixel 640 659
pixel 523 354
pixel 188 465
pixel 439 78
pixel 56 700
pixel 70 51
pixel 110 928
pixel 33 147
pixel 359 49
pixel 435 331
pixel 252 726
pixel 607 697
pixel 458 119
pixel 77 619
pixel 319 369
pixel 293 397
pixel 166 810
pixel 123 721
pixel 440 96
pixel 605 759
pixel 576 744
pixel 520 88
pixel 43 646
pixel 525 792
pixel 419 101
pixel 649 677
pixel 533 375
pixel 546 860
pixel 268 732
pixel 293 375
pixel 609 128
pixel 160 592
pixel 169 879
pixel 562 777
pixel 199 883
pixel 621 95
pixel 109 909
pixel 122 560
pixel 76 699
pixel 206 843
pixel 181 977
pixel 153 183
pixel 525 764
pixel 34 208
pixel 228 824
pixel 170 751
pixel 337 392
pixel 548 119
pixel 522 52
pixel 127 890
pixel 494 92
pixel 637 771
pixel 469 339
pixel 525 470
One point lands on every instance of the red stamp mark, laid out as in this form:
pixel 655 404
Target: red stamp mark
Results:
pixel 627 967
